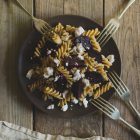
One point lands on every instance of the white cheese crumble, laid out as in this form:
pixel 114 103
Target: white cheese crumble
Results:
pixel 80 57
pixel 86 82
pixel 80 48
pixel 49 52
pixel 48 71
pixel 79 31
pixel 56 78
pixel 29 74
pixel 75 101
pixel 65 93
pixel 50 106
pixel 57 62
pixel 85 103
pixel 64 108
pixel 111 58
pixel 67 64
pixel 77 75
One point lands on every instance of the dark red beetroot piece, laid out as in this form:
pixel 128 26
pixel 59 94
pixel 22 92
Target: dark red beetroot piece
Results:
pixel 74 61
pixel 94 77
pixel 78 88
pixel 61 83
pixel 88 47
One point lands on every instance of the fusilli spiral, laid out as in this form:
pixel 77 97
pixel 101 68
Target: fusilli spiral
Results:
pixel 66 73
pixel 70 28
pixel 90 62
pixel 52 92
pixel 102 89
pixel 64 50
pixel 91 33
pixel 40 45
pixel 36 84
pixel 106 62
pixel 95 44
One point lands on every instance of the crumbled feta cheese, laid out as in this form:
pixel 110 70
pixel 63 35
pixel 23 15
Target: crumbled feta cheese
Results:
pixel 77 75
pixel 56 78
pixel 80 57
pixel 79 31
pixel 75 101
pixel 49 52
pixel 29 73
pixel 86 82
pixel 64 108
pixel 82 75
pixel 67 64
pixel 111 58
pixel 48 71
pixel 85 103
pixel 80 48
pixel 74 49
pixel 56 61
pixel 50 106
pixel 65 93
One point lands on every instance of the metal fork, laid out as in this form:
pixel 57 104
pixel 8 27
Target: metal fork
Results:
pixel 112 112
pixel 112 26
pixel 40 25
pixel 122 90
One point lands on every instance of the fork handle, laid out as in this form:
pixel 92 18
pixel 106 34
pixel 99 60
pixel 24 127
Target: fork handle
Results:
pixel 21 6
pixel 125 9
pixel 134 109
pixel 130 126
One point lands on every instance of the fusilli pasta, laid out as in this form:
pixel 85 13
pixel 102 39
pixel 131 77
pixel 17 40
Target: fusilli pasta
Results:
pixel 64 50
pixel 106 62
pixel 91 33
pixel 66 74
pixel 102 89
pixel 90 62
pixel 52 92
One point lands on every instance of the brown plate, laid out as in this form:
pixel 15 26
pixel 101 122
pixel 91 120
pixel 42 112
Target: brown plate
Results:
pixel 26 52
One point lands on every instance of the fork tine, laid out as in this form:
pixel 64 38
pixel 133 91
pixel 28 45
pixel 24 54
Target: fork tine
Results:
pixel 115 85
pixel 117 81
pixel 106 102
pixel 97 105
pixel 105 105
pixel 46 29
pixel 108 35
pixel 103 44
pixel 120 80
pixel 48 26
pixel 104 32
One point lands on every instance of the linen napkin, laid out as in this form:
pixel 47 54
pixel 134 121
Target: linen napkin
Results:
pixel 9 131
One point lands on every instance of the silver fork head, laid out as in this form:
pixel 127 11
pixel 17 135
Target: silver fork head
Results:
pixel 119 86
pixel 42 26
pixel 107 108
pixel 108 31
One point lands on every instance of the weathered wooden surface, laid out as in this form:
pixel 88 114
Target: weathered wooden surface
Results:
pixel 16 109
pixel 128 41
pixel 14 28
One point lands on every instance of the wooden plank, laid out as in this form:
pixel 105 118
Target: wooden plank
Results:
pixel 92 9
pixel 45 9
pixel 88 125
pixel 83 126
pixel 14 27
pixel 127 39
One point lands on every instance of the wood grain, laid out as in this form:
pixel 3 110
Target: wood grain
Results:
pixel 127 39
pixel 93 10
pixel 14 27
pixel 83 126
